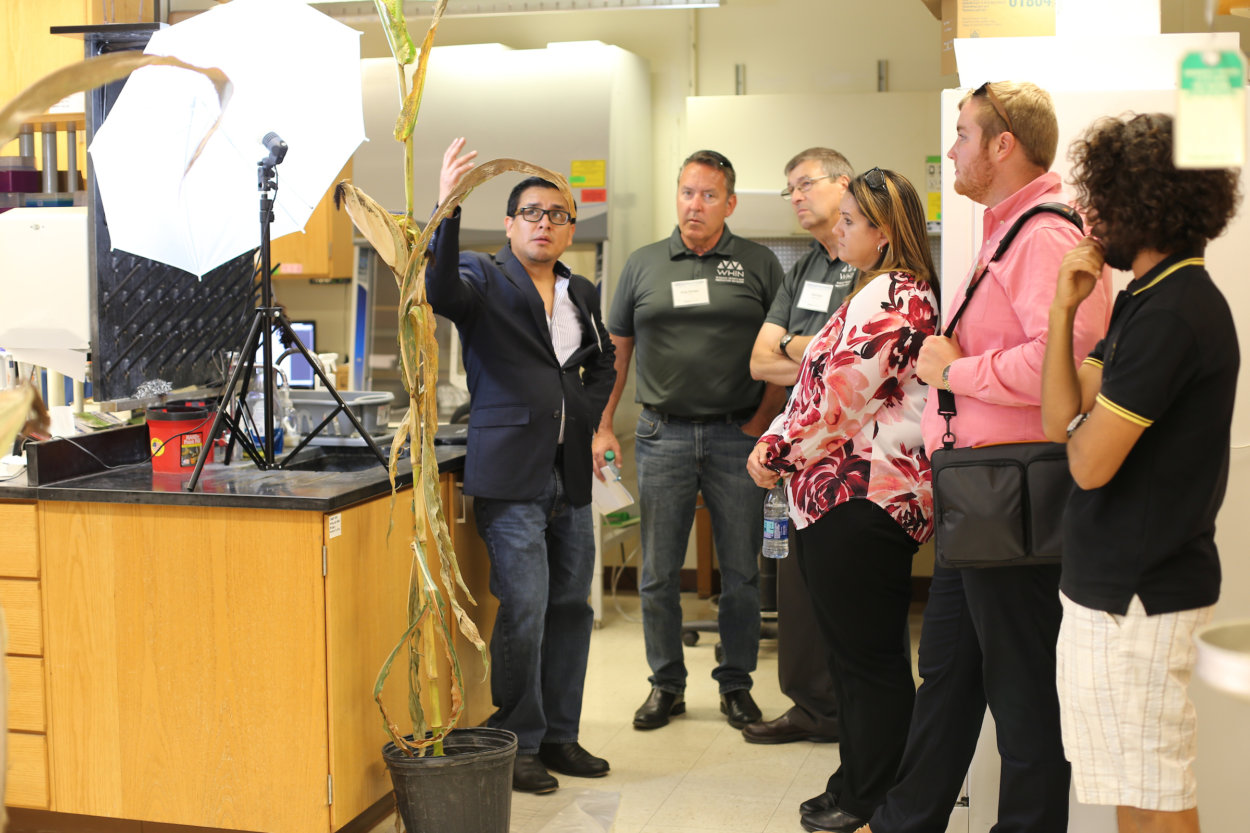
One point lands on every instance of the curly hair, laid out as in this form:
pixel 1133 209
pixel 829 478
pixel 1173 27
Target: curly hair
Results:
pixel 1124 176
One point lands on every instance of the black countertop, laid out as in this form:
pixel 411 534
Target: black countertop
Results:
pixel 239 485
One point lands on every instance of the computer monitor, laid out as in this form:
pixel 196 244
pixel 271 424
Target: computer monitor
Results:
pixel 298 371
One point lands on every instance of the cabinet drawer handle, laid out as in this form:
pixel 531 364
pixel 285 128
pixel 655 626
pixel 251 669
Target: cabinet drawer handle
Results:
pixel 464 507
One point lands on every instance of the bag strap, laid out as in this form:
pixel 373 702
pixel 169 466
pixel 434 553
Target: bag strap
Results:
pixel 946 399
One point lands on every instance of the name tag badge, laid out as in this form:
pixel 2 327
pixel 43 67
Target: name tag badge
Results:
pixel 815 296
pixel 690 293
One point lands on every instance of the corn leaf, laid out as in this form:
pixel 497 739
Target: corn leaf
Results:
pixel 392 14
pixel 412 103
pixel 94 72
pixel 15 405
pixel 374 222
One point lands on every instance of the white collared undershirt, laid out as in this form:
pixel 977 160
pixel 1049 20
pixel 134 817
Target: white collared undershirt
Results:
pixel 565 328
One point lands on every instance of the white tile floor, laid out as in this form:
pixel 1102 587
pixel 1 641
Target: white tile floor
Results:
pixel 696 775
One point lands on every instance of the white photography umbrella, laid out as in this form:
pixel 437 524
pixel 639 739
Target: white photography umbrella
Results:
pixel 296 73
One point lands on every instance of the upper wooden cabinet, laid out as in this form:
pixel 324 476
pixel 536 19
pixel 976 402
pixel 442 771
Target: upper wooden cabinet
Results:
pixel 31 51
pixel 324 250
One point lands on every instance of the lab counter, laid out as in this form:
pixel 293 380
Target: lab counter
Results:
pixel 208 658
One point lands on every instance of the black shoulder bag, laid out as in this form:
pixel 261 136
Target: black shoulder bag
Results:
pixel 999 505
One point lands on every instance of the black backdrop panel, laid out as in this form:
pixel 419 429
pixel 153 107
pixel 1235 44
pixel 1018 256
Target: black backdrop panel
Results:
pixel 155 321
pixel 151 320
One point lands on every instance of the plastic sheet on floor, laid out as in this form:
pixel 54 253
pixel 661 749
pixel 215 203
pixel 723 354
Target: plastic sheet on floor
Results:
pixel 565 811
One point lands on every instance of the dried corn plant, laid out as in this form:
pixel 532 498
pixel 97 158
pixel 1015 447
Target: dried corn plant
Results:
pixel 402 245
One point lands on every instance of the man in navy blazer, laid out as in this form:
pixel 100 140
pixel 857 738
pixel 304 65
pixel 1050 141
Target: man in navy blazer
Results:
pixel 540 369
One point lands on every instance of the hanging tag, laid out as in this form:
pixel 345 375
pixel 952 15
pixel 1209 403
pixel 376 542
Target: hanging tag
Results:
pixel 1210 129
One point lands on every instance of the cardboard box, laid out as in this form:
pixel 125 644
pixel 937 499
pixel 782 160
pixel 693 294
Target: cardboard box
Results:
pixel 992 19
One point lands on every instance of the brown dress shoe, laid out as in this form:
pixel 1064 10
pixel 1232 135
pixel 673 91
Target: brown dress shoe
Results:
pixel 781 730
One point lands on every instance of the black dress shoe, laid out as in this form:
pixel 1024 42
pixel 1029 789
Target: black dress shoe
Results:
pixel 740 708
pixel 824 801
pixel 529 776
pixel 781 730
pixel 572 759
pixel 655 712
pixel 834 820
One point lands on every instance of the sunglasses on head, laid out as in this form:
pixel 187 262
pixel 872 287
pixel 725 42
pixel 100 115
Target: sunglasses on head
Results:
pixel 986 91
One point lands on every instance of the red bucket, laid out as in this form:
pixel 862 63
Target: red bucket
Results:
pixel 177 435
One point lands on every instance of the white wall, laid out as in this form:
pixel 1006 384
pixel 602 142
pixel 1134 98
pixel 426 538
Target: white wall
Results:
pixel 788 47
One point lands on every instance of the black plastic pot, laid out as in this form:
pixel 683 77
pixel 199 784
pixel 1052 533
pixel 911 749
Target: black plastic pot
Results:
pixel 466 790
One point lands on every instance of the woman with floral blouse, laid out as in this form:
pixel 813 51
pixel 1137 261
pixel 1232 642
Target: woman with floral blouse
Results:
pixel 849 445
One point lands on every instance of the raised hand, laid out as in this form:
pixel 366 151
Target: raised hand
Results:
pixel 1079 272
pixel 454 167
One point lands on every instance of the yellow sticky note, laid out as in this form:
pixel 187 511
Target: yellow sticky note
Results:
pixel 588 173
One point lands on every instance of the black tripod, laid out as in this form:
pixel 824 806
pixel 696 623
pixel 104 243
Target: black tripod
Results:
pixel 267 318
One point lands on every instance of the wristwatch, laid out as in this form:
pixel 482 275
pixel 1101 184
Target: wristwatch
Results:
pixel 1076 423
pixel 784 343
pixel 946 378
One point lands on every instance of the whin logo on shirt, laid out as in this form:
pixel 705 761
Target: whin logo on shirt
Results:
pixel 730 271
pixel 846 275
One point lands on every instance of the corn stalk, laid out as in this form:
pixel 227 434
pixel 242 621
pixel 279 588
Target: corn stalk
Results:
pixel 402 245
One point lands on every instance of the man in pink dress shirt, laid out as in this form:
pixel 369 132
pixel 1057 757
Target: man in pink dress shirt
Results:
pixel 989 634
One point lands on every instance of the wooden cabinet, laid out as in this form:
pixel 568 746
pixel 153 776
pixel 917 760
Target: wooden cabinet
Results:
pixel 325 248
pixel 30 51
pixel 26 781
pixel 211 666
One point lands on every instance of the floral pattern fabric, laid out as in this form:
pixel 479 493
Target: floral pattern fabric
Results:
pixel 852 426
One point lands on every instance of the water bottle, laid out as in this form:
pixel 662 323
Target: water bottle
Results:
pixel 608 457
pixel 776 522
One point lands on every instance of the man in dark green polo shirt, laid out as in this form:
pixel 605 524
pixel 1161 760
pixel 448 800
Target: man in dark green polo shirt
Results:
pixel 810 293
pixel 691 306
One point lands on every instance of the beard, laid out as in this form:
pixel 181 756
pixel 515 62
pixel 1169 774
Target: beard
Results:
pixel 1117 252
pixel 973 181
pixel 1118 257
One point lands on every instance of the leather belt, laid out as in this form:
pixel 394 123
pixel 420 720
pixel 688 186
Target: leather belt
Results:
pixel 732 416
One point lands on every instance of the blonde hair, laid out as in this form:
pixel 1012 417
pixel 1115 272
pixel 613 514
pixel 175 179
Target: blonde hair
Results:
pixel 1032 115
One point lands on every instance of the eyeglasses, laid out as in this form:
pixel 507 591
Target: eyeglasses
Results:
pixel 875 179
pixel 985 90
pixel 533 214
pixel 803 186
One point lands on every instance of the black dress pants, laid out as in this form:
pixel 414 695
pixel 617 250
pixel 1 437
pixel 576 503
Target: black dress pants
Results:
pixel 802 656
pixel 857 564
pixel 988 636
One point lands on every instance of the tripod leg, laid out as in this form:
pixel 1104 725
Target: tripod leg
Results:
pixel 285 327
pixel 249 344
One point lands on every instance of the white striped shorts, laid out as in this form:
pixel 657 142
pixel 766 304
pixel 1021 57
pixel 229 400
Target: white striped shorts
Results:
pixel 1129 727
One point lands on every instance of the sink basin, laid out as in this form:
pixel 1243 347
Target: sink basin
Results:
pixel 1224 656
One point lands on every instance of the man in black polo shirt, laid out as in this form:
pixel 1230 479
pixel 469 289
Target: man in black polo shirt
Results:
pixel 1147 421
pixel 690 307
pixel 811 291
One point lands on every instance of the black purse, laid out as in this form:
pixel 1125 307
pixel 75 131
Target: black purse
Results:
pixel 999 505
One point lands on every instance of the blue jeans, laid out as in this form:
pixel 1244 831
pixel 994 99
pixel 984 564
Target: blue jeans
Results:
pixel 676 460
pixel 542 557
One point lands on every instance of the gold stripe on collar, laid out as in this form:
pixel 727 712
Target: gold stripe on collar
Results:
pixel 1193 261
